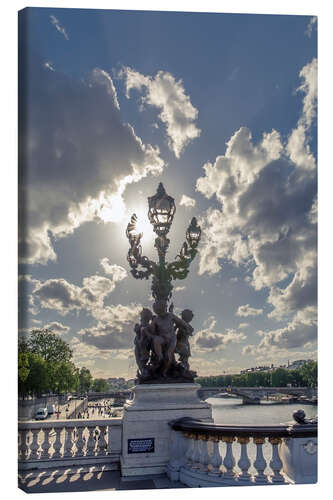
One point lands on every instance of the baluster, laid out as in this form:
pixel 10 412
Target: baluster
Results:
pixel 45 444
pixel 229 460
pixel 204 457
pixel 244 462
pixel 189 449
pixel 91 443
pixel 80 442
pixel 57 445
pixel 276 464
pixel 101 442
pixel 215 459
pixel 68 441
pixel 34 446
pixel 196 453
pixel 24 445
pixel 260 462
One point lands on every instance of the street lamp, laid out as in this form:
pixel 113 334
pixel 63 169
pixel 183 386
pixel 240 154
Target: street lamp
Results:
pixel 161 212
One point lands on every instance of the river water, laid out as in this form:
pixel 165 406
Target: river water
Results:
pixel 231 411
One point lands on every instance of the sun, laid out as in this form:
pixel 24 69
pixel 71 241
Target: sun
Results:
pixel 143 225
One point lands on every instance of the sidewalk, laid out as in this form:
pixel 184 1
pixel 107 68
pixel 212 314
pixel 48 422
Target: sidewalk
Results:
pixel 89 479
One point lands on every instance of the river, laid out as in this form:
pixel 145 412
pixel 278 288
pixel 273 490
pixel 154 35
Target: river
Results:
pixel 231 411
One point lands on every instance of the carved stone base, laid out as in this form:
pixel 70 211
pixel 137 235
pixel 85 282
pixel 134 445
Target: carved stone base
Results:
pixel 147 418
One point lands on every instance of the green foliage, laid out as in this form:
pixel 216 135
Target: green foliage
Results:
pixel 49 346
pixel 44 365
pixel 309 373
pixel 100 385
pixel 85 380
pixel 305 376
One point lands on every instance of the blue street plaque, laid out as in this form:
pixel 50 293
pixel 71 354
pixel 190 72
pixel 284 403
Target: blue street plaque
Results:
pixel 146 445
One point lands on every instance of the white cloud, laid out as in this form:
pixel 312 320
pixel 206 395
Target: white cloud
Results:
pixel 180 288
pixel 117 273
pixel 246 310
pixel 57 327
pixel 267 216
pixel 59 27
pixel 63 296
pixel 310 26
pixel 208 340
pixel 168 95
pixel 187 202
pixel 243 325
pixel 114 329
pixel 72 126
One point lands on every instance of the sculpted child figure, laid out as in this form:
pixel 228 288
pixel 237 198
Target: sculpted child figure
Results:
pixel 163 335
pixel 142 341
pixel 183 344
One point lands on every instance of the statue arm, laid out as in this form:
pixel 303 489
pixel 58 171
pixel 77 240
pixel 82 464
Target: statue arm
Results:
pixel 182 324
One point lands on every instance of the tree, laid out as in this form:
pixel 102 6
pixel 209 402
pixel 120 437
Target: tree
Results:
pixel 37 381
pixel 279 377
pixel 100 385
pixel 309 373
pixel 49 346
pixel 23 371
pixel 85 380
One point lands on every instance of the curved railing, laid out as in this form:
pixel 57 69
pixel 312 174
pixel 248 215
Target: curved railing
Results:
pixel 204 454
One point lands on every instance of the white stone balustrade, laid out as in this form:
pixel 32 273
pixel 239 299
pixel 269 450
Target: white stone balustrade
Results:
pixel 48 444
pixel 264 455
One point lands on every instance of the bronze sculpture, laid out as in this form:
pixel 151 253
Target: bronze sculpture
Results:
pixel 159 337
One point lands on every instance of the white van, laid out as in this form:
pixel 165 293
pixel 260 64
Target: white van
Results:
pixel 41 414
pixel 51 409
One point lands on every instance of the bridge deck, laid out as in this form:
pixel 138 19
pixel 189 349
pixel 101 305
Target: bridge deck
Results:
pixel 63 480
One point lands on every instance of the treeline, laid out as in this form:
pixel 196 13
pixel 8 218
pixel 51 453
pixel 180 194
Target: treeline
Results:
pixel 305 376
pixel 45 366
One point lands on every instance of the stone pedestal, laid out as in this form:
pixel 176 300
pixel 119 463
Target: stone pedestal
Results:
pixel 146 433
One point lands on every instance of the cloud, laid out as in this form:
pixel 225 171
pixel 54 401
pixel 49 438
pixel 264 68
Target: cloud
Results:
pixel 267 193
pixel 187 202
pixel 114 329
pixel 246 310
pixel 207 339
pixel 77 156
pixel 63 297
pixel 57 327
pixel 180 288
pixel 168 95
pixel 310 26
pixel 117 273
pixel 243 325
pixel 59 27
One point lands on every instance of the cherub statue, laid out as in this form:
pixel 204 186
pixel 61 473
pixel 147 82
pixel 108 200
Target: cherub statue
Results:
pixel 142 342
pixel 183 344
pixel 161 330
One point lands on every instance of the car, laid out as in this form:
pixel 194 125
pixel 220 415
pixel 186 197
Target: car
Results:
pixel 50 409
pixel 41 414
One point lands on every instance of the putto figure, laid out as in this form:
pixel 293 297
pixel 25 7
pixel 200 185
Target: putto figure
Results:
pixel 158 339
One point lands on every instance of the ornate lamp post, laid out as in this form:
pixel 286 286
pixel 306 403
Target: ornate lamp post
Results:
pixel 161 211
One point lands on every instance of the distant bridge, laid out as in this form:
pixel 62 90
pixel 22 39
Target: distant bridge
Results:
pixel 253 395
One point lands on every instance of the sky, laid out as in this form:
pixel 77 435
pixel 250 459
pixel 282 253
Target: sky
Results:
pixel 221 108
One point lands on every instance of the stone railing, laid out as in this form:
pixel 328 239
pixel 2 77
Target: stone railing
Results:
pixel 61 443
pixel 204 454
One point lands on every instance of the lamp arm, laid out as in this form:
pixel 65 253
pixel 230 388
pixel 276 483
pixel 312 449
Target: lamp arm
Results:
pixel 179 268
pixel 136 259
